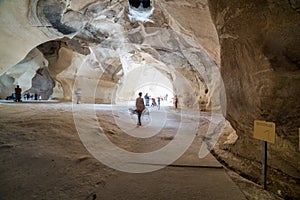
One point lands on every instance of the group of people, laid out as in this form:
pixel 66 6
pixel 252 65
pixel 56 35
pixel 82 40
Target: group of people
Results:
pixel 153 101
pixel 140 105
pixel 17 96
pixel 28 96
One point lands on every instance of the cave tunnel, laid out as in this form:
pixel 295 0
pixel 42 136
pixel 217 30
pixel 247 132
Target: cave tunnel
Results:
pixel 229 63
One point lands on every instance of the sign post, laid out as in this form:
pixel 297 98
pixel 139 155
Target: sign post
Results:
pixel 264 163
pixel 264 131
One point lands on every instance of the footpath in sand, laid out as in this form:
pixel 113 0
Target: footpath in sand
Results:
pixel 44 154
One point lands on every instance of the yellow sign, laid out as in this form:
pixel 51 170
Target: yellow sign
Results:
pixel 264 131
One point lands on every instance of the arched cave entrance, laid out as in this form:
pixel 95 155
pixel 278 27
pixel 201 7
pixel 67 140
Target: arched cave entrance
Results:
pixel 144 79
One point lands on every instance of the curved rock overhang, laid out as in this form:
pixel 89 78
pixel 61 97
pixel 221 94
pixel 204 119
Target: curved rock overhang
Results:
pixel 99 36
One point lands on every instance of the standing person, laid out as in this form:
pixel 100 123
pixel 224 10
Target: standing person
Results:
pixel 158 102
pixel 147 99
pixel 176 101
pixel 153 102
pixel 27 95
pixel 18 92
pixel 78 95
pixel 140 106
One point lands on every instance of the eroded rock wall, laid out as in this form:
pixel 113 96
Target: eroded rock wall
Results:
pixel 260 51
pixel 102 29
pixel 31 74
pixel 18 34
pixel 194 17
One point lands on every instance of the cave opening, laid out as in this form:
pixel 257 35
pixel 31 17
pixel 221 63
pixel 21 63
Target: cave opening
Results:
pixel 145 79
pixel 140 3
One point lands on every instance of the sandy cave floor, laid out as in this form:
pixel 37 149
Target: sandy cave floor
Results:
pixel 42 156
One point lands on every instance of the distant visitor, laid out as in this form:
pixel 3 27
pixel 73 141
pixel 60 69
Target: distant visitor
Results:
pixel 147 99
pixel 153 102
pixel 158 102
pixel 176 101
pixel 18 92
pixel 78 95
pixel 140 106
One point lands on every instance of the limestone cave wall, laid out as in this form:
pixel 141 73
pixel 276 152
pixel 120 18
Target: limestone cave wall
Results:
pixel 78 38
pixel 32 74
pixel 260 51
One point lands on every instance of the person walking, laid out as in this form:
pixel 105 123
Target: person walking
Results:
pixel 140 106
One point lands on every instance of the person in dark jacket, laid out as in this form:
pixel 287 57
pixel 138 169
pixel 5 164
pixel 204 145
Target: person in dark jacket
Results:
pixel 18 92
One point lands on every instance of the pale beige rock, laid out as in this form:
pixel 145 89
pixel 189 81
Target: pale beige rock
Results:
pixel 22 74
pixel 260 68
pixel 58 93
pixel 194 17
pixel 18 35
pixel 101 27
